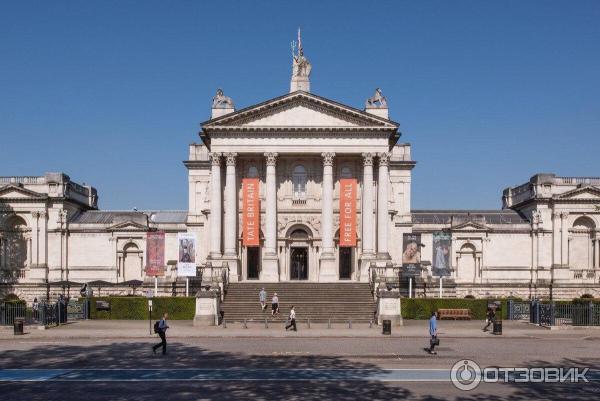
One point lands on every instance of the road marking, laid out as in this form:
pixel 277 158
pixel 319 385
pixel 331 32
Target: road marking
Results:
pixel 153 375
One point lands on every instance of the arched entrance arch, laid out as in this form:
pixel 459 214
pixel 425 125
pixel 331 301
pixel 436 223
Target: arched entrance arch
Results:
pixel 300 255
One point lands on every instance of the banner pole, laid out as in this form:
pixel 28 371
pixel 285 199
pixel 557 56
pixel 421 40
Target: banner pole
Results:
pixel 155 286
pixel 410 287
pixel 187 286
pixel 440 286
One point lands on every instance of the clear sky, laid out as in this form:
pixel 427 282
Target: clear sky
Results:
pixel 487 93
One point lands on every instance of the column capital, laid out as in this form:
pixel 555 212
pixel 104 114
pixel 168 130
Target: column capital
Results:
pixel 328 158
pixel 230 158
pixel 368 159
pixel 215 158
pixel 271 158
pixel 384 158
pixel 35 214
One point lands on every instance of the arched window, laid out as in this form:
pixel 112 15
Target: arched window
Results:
pixel 299 178
pixel 582 248
pixel 252 172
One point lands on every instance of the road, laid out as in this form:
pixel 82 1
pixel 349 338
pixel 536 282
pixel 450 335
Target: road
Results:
pixel 303 368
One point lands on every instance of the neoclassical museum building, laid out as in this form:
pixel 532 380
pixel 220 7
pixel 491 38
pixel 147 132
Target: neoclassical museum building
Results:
pixel 303 188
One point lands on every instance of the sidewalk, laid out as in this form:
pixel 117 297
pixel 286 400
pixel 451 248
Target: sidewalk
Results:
pixel 185 329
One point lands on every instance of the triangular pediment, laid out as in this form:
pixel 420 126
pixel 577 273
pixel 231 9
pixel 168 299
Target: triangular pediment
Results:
pixel 470 226
pixel 584 193
pixel 16 192
pixel 299 110
pixel 128 226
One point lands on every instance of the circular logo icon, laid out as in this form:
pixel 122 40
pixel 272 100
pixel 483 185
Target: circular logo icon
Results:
pixel 465 374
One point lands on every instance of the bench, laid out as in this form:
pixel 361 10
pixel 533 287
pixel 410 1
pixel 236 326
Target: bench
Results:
pixel 455 314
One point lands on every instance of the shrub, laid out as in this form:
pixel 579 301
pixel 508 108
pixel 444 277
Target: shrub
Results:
pixel 136 308
pixel 421 308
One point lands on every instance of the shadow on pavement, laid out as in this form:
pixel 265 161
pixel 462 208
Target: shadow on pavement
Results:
pixel 138 355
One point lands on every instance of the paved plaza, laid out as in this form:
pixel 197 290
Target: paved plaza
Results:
pixel 84 360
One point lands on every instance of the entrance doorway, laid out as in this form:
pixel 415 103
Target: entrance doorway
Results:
pixel 253 262
pixel 345 263
pixel 299 264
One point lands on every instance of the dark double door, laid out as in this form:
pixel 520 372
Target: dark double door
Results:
pixel 253 262
pixel 345 258
pixel 299 264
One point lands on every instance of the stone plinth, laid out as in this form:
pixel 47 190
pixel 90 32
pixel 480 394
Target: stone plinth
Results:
pixel 389 307
pixel 207 308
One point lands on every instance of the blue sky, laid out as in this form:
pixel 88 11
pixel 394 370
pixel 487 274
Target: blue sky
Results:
pixel 487 93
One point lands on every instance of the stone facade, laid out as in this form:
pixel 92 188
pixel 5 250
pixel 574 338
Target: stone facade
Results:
pixel 545 240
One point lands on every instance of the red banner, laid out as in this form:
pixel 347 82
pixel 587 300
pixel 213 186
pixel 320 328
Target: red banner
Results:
pixel 155 253
pixel 251 212
pixel 348 212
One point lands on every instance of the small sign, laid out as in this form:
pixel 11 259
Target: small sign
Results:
pixel 102 306
pixel 150 305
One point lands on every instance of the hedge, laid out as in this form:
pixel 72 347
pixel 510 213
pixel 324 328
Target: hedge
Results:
pixel 421 308
pixel 136 308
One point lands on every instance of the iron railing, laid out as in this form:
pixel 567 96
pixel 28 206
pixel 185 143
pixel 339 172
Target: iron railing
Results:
pixel 555 314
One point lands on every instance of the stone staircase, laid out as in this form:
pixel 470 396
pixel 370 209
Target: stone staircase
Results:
pixel 318 302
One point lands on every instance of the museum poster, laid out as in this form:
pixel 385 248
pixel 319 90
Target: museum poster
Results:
pixel 411 254
pixel 186 259
pixel 155 253
pixel 348 212
pixel 251 212
pixel 440 265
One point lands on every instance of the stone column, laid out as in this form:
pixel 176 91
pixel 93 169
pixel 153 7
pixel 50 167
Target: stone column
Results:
pixel 230 206
pixel 556 249
pixel 1 251
pixel 327 206
pixel 382 206
pixel 367 205
pixel 597 252
pixel 215 206
pixel 34 238
pixel 327 270
pixel 43 238
pixel 270 262
pixel 564 238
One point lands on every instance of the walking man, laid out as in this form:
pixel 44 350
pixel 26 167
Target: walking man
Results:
pixel 274 305
pixel 292 319
pixel 433 333
pixel 162 330
pixel 262 297
pixel 490 317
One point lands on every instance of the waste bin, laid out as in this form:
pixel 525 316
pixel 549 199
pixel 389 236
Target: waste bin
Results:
pixel 387 327
pixel 497 327
pixel 18 326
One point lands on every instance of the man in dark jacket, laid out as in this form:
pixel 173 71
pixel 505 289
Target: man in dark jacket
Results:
pixel 162 330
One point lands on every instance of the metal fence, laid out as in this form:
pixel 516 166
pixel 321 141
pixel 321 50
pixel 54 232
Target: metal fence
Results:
pixel 43 314
pixel 555 314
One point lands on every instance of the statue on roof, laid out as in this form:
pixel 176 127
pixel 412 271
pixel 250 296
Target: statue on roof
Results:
pixel 377 101
pixel 220 101
pixel 300 65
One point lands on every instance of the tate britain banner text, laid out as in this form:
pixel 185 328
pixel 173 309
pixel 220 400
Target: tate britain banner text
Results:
pixel 251 212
